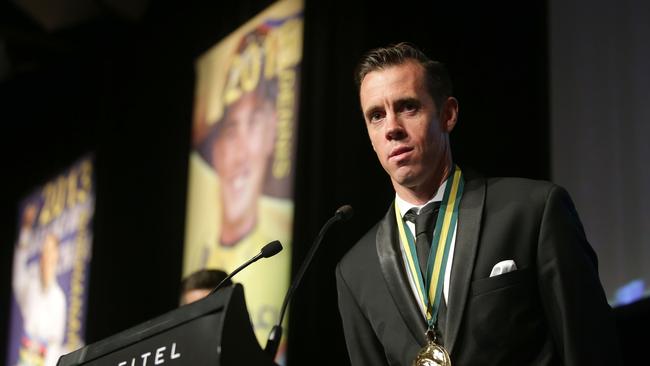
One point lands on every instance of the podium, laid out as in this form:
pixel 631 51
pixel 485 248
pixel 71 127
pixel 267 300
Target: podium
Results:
pixel 215 330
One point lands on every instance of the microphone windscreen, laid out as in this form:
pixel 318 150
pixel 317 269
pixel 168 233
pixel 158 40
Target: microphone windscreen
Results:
pixel 271 249
pixel 345 212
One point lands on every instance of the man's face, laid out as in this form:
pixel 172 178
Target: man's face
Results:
pixel 29 216
pixel 403 123
pixel 240 155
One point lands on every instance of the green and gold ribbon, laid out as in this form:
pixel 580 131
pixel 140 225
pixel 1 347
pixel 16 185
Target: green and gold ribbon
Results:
pixel 433 283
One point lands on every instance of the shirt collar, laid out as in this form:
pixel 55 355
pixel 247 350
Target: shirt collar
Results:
pixel 404 206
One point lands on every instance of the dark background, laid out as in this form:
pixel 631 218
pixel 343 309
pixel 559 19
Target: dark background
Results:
pixel 119 83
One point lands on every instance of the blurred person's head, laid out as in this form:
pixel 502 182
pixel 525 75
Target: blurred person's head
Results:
pixel 240 142
pixel 199 284
pixel 240 155
pixel 49 260
pixel 29 216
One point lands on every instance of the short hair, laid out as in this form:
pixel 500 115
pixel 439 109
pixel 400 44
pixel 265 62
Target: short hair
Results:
pixel 438 81
pixel 204 279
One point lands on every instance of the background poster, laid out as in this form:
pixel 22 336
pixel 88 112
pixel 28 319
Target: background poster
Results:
pixel 50 268
pixel 243 155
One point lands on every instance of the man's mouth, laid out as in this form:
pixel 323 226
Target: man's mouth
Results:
pixel 239 181
pixel 399 151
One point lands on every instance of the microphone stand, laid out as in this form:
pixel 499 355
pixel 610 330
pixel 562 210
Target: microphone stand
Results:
pixel 273 342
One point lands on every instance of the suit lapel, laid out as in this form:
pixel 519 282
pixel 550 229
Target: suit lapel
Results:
pixel 467 235
pixel 392 267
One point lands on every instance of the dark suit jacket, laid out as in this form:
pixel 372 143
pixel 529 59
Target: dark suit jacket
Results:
pixel 550 311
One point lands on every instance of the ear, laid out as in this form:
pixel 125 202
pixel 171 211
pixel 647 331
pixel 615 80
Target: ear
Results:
pixel 449 115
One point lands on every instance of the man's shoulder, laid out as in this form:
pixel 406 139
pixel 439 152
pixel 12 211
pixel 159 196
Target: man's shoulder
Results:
pixel 517 187
pixel 278 209
pixel 275 217
pixel 362 247
pixel 525 195
pixel 506 182
pixel 362 252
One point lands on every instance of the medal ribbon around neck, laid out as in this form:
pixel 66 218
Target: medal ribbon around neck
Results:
pixel 433 283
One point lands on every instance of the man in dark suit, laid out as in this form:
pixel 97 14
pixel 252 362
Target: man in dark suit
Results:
pixel 515 282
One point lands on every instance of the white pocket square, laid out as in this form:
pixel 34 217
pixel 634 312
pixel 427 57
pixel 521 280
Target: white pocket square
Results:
pixel 503 267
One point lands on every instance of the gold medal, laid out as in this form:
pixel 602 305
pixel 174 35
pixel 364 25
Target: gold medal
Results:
pixel 432 354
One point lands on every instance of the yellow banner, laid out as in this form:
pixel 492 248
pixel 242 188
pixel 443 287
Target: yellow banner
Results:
pixel 240 189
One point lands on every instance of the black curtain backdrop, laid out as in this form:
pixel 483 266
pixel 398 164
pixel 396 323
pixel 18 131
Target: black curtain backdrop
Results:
pixel 123 89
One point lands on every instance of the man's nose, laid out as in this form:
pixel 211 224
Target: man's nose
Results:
pixel 394 127
pixel 240 145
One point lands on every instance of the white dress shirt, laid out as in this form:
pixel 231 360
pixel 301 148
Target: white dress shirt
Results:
pixel 404 207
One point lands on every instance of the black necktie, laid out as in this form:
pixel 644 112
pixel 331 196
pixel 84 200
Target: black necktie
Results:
pixel 424 224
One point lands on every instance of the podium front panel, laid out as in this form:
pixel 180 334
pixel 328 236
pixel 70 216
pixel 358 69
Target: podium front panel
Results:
pixel 173 347
pixel 213 331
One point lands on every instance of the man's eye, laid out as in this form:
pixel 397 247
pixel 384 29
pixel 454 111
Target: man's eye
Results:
pixel 376 116
pixel 227 131
pixel 410 107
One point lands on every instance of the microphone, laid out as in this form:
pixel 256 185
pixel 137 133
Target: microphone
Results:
pixel 269 250
pixel 343 213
